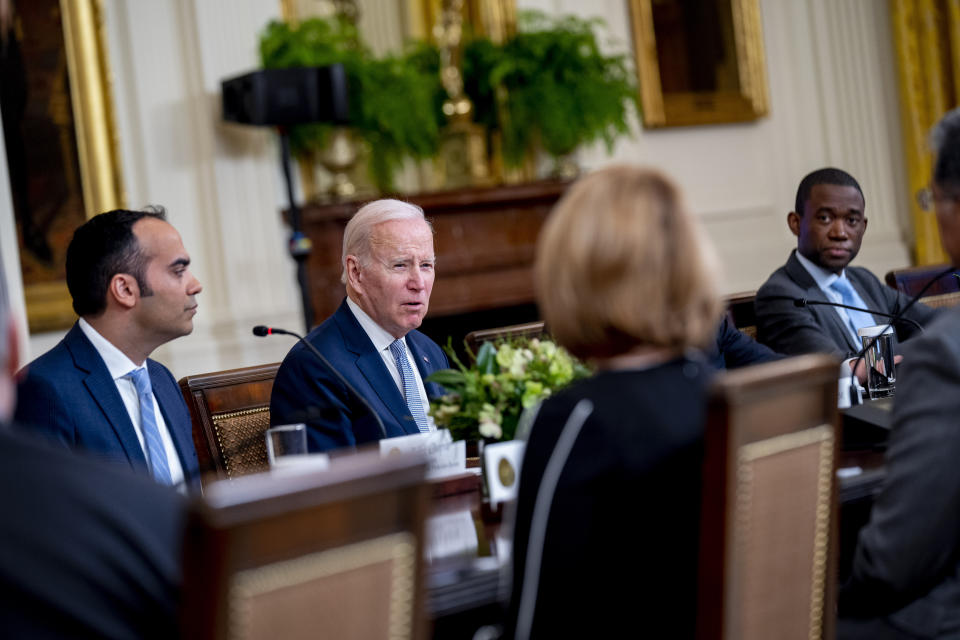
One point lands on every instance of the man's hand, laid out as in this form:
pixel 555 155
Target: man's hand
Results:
pixel 861 370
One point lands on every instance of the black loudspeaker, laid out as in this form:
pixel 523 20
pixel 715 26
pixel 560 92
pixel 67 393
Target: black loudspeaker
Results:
pixel 277 97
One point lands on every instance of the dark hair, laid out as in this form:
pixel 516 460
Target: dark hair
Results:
pixel 945 141
pixel 827 175
pixel 102 247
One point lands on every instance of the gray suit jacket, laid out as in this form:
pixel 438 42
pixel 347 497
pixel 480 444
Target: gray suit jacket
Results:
pixel 907 564
pixel 789 329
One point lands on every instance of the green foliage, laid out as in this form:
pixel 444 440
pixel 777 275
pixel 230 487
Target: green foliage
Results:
pixel 487 398
pixel 547 87
pixel 393 100
pixel 558 89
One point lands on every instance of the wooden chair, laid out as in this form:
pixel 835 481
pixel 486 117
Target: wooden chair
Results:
pixel 768 528
pixel 330 554
pixel 741 312
pixel 528 330
pixel 911 279
pixel 942 300
pixel 230 412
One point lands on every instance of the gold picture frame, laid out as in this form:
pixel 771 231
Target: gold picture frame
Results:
pixel 739 92
pixel 86 122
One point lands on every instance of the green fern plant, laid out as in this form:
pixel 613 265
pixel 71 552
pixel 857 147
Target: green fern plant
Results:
pixel 393 100
pixel 550 86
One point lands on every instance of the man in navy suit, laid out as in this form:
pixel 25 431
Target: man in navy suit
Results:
pixel 388 268
pixel 97 390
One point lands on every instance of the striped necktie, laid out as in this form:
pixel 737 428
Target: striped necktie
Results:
pixel 156 453
pixel 410 391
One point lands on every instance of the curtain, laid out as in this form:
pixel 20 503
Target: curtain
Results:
pixel 926 36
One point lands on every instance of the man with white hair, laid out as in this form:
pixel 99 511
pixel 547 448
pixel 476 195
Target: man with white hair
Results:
pixel 372 341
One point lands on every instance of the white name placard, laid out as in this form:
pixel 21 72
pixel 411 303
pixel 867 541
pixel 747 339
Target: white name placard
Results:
pixel 451 534
pixel 444 457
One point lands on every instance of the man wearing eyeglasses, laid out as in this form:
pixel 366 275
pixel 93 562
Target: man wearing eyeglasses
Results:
pixel 905 577
pixel 829 222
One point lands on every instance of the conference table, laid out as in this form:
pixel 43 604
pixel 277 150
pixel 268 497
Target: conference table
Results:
pixel 463 591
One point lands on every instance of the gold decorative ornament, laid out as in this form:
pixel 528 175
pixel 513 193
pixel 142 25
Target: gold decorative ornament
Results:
pixel 507 473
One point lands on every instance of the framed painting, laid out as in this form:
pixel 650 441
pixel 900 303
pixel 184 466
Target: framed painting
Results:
pixel 60 140
pixel 699 61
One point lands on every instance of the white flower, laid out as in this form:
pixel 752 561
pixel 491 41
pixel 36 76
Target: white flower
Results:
pixel 491 430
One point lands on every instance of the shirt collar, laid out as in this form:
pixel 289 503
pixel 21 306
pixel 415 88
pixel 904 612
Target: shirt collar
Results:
pixel 821 276
pixel 380 337
pixel 118 364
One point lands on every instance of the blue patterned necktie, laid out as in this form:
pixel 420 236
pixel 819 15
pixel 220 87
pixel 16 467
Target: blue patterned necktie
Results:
pixel 156 453
pixel 410 391
pixel 856 319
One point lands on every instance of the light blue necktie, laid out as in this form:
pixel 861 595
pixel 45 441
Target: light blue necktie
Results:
pixel 410 391
pixel 856 319
pixel 156 453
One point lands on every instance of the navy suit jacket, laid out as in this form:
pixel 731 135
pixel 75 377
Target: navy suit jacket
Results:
pixel 68 395
pixel 733 348
pixel 306 391
pixel 789 329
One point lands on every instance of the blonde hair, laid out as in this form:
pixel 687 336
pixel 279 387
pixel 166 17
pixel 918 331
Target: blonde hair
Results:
pixel 622 263
pixel 356 236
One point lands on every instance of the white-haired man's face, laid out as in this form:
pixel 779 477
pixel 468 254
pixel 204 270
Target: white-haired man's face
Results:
pixel 395 280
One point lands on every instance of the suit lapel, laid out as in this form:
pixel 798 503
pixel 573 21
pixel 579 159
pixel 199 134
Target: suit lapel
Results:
pixel 827 316
pixel 370 364
pixel 103 389
pixel 424 365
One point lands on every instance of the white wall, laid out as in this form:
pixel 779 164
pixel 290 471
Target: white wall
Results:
pixel 833 102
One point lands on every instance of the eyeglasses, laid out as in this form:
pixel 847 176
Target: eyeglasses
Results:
pixel 926 198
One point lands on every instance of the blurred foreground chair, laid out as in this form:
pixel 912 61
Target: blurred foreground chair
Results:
pixel 230 412
pixel 330 554
pixel 768 529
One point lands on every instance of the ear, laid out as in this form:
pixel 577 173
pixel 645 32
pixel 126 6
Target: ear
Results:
pixel 793 221
pixel 124 290
pixel 354 272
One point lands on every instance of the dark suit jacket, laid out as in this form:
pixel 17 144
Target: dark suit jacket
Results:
pixel 619 550
pixel 306 391
pixel 907 564
pixel 792 330
pixel 88 551
pixel 733 348
pixel 68 394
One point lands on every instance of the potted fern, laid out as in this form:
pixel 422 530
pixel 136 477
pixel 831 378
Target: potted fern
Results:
pixel 550 87
pixel 393 100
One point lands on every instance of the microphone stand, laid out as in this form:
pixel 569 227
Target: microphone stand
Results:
pixel 263 331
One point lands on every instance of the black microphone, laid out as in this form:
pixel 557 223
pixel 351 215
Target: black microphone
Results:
pixel 263 330
pixel 803 302
pixel 896 317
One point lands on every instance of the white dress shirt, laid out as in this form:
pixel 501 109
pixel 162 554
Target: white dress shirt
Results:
pixel 120 366
pixel 824 279
pixel 382 339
